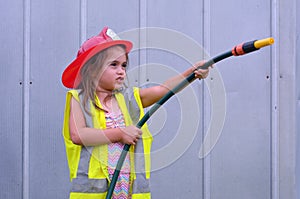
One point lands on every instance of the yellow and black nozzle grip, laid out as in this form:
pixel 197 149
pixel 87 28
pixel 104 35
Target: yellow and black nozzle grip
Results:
pixel 251 46
pixel 263 42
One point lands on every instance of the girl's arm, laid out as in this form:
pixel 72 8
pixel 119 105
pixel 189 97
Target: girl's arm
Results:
pixel 152 94
pixel 82 135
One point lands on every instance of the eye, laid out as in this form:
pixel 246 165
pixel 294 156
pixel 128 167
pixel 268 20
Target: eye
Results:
pixel 124 65
pixel 113 63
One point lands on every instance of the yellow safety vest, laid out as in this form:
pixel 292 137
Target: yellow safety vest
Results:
pixel 88 165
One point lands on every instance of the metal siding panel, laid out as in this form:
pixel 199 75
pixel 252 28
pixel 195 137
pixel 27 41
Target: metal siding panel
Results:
pixel 11 100
pixel 55 40
pixel 240 162
pixel 185 17
pixel 287 103
pixel 183 178
pixel 118 15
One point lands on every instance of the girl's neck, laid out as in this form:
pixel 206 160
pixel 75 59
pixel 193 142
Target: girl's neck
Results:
pixel 108 101
pixel 104 95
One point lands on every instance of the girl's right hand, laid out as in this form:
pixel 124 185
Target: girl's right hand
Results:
pixel 130 135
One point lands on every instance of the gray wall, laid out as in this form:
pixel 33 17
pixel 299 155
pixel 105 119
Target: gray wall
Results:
pixel 257 152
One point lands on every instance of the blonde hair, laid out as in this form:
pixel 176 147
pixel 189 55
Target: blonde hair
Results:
pixel 89 76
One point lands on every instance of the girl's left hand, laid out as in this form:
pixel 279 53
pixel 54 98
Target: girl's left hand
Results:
pixel 201 73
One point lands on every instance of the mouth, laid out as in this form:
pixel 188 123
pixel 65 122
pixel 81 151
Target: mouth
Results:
pixel 120 79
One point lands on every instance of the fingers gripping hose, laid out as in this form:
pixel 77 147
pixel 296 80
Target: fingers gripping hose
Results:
pixel 238 50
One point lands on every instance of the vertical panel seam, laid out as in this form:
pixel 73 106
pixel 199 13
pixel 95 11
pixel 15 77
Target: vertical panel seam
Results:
pixel 26 98
pixel 83 21
pixel 206 117
pixel 143 74
pixel 274 102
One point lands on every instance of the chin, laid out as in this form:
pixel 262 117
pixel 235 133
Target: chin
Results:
pixel 117 87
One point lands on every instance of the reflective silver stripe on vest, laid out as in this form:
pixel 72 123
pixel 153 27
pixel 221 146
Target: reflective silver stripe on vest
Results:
pixel 132 105
pixel 82 183
pixel 140 184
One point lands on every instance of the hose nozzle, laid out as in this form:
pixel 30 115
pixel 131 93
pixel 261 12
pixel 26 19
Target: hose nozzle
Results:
pixel 251 46
pixel 263 42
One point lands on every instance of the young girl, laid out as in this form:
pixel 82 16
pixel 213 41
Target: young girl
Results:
pixel 100 117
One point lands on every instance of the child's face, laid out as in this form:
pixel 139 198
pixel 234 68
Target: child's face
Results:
pixel 113 72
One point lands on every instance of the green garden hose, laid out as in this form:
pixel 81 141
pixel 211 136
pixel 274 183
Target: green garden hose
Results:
pixel 238 50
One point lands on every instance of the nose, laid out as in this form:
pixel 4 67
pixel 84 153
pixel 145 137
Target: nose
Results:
pixel 120 70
